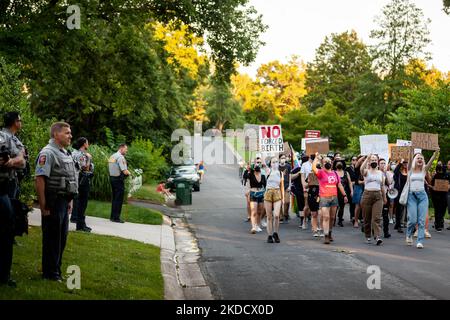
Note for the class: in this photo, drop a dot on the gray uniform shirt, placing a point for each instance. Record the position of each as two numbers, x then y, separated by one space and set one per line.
46 160
15 146
117 164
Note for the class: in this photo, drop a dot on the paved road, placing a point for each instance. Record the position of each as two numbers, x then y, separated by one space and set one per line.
239 265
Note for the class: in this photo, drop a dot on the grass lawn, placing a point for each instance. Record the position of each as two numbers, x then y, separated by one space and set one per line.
148 192
111 268
130 213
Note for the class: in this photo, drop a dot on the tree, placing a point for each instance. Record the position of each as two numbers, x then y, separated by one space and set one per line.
427 109
326 119
222 109
446 6
402 35
340 62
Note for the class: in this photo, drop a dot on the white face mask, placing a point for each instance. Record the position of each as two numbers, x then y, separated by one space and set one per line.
275 166
393 167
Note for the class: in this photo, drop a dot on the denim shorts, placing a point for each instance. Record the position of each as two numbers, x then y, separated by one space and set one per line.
328 202
257 196
357 194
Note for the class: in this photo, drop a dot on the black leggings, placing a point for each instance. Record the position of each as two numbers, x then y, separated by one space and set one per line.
342 206
398 214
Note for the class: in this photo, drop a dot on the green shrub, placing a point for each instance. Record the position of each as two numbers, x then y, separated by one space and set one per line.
143 155
35 132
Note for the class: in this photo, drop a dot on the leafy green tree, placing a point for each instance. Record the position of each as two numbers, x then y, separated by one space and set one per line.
326 119
222 108
402 35
427 109
446 6
340 62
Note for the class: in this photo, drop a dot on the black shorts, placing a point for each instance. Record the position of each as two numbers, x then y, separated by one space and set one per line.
300 197
313 194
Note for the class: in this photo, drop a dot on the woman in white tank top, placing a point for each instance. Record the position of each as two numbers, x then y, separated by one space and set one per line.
373 198
273 198
417 203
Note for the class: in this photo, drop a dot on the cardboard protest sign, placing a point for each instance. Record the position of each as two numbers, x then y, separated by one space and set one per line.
321 146
270 139
441 185
399 153
286 148
425 141
312 179
304 140
375 144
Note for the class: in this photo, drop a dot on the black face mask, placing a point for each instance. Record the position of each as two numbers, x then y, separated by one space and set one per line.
328 166
374 165
318 166
257 169
339 166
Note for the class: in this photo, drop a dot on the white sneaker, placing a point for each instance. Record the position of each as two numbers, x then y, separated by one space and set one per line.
391 221
409 241
321 234
427 234
263 224
416 233
304 226
258 229
419 246
316 234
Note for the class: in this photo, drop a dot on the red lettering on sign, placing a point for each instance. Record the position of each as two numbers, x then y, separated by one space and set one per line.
276 131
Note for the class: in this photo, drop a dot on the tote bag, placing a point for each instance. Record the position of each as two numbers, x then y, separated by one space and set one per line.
404 196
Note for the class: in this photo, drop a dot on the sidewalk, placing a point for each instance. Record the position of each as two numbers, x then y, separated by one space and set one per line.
160 236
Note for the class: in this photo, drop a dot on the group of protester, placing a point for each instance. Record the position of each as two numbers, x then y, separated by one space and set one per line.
379 193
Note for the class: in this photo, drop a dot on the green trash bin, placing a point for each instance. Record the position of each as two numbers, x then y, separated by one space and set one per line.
184 193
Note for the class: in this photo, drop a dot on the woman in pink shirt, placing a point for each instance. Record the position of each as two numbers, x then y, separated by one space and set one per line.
329 182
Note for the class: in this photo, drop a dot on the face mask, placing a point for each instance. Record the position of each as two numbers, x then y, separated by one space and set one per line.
339 166
328 166
318 166
393 167
275 166
313 157
257 169
373 165
282 161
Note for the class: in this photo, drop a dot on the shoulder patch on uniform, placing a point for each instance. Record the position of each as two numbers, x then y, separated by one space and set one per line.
42 160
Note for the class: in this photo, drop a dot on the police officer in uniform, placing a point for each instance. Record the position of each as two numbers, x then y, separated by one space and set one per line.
118 171
11 159
85 167
56 186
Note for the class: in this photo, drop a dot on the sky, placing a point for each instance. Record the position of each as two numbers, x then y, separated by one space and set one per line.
299 27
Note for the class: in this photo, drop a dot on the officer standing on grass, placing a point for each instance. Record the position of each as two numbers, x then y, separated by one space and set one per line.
11 159
118 171
56 186
85 167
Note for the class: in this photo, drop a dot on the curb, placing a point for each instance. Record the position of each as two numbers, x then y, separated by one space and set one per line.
183 279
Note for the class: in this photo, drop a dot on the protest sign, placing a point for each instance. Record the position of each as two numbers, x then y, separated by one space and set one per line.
304 140
399 153
403 143
441 185
375 144
321 146
270 139
312 134
286 148
425 141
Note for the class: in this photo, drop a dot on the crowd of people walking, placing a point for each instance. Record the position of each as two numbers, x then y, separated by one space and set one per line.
380 194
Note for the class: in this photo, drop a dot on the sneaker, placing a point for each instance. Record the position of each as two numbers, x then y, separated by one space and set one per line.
399 230
269 239
258 229
438 230
419 246
391 221
304 226
409 241
276 237
247 220
263 224
327 240
321 234
369 241
316 234
416 233
427 234
387 235
379 241
340 224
